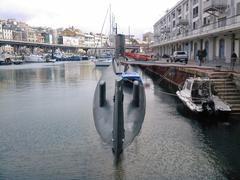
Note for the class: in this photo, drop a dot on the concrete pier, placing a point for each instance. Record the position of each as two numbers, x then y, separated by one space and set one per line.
226 83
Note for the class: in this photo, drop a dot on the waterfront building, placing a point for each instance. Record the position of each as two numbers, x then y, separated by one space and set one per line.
23 25
148 37
193 25
100 40
76 33
47 38
148 40
100 44
7 32
67 40
18 35
1 31
39 37
54 33
89 40
7 48
31 35
130 40
24 35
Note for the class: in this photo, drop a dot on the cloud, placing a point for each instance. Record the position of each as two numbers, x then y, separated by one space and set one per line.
88 15
16 14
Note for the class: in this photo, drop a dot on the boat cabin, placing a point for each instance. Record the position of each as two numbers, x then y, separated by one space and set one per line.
197 89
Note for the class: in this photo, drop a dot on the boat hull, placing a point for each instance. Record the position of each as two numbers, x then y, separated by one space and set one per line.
133 115
188 110
103 62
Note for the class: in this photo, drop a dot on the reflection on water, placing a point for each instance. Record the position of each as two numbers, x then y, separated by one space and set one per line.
47 132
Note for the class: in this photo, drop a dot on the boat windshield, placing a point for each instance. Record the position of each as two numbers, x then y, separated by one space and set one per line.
201 89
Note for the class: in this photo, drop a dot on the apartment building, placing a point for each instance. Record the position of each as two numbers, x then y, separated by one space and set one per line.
7 32
193 25
1 31
18 34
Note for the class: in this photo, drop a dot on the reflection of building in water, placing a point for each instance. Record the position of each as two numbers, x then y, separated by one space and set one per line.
41 76
85 71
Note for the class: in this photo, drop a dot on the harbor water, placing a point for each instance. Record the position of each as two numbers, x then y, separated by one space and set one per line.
47 131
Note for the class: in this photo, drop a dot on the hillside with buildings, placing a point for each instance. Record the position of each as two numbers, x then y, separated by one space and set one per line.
12 29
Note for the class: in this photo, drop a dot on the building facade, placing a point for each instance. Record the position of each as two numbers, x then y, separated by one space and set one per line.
18 35
193 25
48 38
1 31
7 33
68 40
31 35
89 40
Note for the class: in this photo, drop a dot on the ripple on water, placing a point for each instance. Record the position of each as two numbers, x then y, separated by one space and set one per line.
47 132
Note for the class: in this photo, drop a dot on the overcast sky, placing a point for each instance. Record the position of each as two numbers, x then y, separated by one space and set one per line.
88 15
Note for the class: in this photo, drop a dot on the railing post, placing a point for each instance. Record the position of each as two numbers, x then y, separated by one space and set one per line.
102 93
118 119
136 93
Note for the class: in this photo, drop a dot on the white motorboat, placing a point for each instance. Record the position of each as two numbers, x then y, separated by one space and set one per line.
34 59
104 60
5 59
17 61
1 59
197 95
50 60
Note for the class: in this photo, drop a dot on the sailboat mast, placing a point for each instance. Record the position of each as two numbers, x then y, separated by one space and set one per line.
110 16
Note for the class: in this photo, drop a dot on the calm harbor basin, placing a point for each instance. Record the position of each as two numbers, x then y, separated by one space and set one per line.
47 131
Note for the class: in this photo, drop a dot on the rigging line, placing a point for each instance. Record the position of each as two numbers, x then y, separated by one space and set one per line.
164 92
104 24
101 30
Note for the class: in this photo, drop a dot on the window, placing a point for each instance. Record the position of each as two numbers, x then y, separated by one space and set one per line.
181 53
189 85
187 6
204 21
238 9
222 22
194 25
195 12
207 48
221 48
179 11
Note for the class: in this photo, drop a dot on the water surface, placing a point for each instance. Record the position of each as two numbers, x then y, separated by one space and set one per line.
47 131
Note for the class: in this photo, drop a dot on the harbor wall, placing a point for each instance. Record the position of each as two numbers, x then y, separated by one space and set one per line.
171 77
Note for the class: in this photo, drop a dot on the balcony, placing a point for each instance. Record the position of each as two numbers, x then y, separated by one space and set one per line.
222 26
215 5
165 30
182 22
